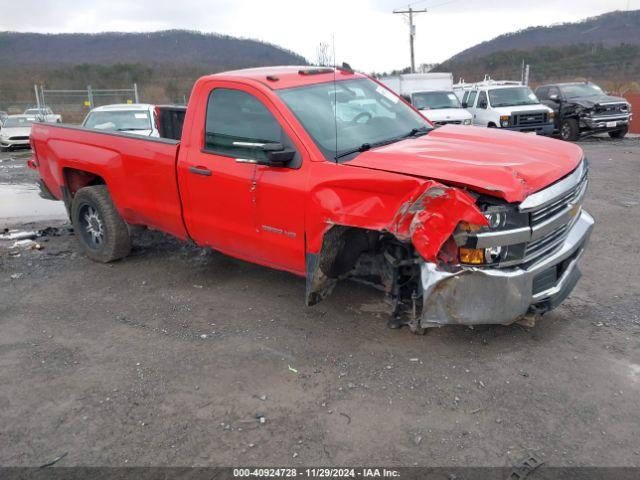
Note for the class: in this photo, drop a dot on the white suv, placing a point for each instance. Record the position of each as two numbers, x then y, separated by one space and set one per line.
507 105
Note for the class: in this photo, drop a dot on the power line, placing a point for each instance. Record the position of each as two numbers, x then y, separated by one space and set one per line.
412 31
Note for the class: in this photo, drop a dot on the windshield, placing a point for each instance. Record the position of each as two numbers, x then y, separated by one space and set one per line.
361 113
18 122
511 97
435 100
123 121
581 90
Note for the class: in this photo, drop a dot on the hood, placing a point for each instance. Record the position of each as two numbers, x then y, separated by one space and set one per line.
446 114
509 165
593 100
15 131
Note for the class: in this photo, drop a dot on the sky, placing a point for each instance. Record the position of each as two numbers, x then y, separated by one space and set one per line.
364 33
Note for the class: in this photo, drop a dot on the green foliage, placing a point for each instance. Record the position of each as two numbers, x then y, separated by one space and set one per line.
553 63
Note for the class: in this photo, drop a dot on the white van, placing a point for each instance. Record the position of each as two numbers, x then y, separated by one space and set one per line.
432 94
505 104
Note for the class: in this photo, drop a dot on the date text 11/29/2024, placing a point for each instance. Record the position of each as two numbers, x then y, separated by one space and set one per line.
315 473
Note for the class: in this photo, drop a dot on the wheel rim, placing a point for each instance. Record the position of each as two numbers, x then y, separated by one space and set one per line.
565 132
91 226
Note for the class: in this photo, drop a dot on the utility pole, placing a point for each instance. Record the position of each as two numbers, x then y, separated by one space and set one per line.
412 31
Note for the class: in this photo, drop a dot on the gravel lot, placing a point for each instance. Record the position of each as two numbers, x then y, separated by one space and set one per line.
169 356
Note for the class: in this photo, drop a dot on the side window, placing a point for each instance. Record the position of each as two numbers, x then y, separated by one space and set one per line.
471 98
543 93
482 100
235 117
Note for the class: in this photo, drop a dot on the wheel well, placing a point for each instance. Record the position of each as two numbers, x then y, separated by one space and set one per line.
77 179
492 125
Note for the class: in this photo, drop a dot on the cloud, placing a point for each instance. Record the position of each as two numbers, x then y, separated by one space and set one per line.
365 32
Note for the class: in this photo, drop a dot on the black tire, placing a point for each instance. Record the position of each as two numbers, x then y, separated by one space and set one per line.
619 133
101 232
569 130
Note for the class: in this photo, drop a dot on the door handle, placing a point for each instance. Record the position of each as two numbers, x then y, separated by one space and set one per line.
200 171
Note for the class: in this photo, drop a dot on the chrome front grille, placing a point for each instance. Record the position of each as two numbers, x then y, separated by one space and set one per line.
529 118
612 109
551 222
560 203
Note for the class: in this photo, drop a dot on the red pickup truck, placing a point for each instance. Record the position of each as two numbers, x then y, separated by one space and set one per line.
329 175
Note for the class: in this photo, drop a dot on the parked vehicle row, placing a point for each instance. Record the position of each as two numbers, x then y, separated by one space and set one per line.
570 110
329 175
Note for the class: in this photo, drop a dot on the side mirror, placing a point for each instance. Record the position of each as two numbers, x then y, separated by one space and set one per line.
276 154
482 104
464 105
279 158
554 97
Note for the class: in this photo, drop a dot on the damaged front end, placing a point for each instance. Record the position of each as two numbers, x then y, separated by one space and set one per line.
452 258
523 263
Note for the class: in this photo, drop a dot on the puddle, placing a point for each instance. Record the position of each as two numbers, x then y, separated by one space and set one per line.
20 203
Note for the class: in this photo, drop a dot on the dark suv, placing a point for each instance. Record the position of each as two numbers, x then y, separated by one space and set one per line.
583 109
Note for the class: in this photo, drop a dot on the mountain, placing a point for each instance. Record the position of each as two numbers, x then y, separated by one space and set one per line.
602 48
164 64
173 47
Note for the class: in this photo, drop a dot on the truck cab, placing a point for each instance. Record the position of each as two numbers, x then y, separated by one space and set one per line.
432 94
506 105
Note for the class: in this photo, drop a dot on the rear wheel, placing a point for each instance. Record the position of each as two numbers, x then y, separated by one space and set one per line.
619 133
569 130
102 233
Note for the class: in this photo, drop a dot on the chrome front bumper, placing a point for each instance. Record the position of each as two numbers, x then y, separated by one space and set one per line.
474 296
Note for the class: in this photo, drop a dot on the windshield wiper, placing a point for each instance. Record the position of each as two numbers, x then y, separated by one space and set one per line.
362 148
130 129
414 132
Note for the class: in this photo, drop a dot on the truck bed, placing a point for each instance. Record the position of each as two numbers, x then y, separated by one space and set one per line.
140 171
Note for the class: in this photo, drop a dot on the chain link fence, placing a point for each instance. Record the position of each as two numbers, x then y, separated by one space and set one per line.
73 105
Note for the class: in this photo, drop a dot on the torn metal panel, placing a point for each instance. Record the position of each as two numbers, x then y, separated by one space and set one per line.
432 219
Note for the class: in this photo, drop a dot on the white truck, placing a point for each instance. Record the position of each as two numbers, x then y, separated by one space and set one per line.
509 105
44 114
432 94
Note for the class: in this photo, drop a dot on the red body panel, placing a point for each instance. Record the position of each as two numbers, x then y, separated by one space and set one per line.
275 216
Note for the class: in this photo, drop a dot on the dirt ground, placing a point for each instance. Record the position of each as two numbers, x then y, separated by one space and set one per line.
170 356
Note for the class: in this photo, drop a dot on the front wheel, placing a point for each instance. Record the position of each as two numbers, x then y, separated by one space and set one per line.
619 133
569 130
101 231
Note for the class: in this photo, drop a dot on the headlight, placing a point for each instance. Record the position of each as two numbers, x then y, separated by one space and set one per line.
501 218
552 116
467 121
504 120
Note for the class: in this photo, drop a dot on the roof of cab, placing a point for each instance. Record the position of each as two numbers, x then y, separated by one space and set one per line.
278 78
123 106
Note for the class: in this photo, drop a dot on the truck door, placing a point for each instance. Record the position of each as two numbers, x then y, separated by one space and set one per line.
470 102
481 112
229 201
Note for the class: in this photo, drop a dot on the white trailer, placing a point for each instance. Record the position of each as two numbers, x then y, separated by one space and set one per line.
432 94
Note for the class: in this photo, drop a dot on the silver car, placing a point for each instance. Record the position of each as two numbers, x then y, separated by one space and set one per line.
15 131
